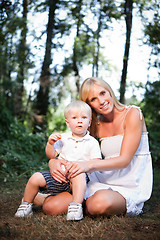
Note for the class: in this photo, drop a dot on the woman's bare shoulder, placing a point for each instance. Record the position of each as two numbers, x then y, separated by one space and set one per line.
134 118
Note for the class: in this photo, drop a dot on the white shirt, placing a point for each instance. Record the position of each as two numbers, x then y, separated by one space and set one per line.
81 149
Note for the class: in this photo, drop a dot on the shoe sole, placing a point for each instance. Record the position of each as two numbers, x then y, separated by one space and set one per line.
75 219
27 216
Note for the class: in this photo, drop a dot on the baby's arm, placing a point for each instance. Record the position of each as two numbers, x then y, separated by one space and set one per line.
50 151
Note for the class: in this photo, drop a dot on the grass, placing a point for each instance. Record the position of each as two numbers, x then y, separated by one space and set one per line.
41 226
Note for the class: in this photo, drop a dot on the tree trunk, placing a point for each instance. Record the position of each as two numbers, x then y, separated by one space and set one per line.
22 52
98 45
128 19
95 66
75 67
42 101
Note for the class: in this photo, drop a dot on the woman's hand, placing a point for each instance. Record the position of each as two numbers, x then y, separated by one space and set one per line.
75 168
56 170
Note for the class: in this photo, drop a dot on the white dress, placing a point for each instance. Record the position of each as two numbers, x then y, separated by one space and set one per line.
134 182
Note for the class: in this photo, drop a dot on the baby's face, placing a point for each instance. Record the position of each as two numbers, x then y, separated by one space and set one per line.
78 122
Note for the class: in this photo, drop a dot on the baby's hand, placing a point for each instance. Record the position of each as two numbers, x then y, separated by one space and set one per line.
54 137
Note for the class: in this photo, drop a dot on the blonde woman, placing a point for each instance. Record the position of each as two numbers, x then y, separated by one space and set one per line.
122 181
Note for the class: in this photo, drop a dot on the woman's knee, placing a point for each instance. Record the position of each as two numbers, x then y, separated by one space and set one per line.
106 202
51 207
58 204
97 205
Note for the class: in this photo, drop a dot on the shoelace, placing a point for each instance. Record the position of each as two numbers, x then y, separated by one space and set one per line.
24 205
74 208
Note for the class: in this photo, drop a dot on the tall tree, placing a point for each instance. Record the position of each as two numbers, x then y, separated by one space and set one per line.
10 25
79 17
42 100
81 44
6 11
128 7
21 60
152 33
95 67
104 11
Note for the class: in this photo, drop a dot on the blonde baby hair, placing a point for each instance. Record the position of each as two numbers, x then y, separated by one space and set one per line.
78 105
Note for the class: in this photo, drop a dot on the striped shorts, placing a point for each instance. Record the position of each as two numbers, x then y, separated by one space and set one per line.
54 187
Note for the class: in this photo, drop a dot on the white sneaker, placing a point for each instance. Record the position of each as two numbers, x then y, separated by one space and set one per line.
75 211
24 210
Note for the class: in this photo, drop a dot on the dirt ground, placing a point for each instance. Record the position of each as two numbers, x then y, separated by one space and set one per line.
41 226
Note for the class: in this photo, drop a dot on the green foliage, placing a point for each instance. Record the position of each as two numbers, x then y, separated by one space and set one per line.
5 121
151 110
152 32
59 124
154 140
56 121
21 152
151 105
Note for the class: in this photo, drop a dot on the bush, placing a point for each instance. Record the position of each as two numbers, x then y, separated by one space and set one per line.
21 152
151 110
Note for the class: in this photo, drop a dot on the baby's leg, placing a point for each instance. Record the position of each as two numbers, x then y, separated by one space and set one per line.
78 187
75 211
25 209
36 180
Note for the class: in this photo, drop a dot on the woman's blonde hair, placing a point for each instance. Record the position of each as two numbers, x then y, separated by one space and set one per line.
84 93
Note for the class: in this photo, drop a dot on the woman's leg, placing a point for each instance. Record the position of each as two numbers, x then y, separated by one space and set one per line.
39 198
106 202
58 204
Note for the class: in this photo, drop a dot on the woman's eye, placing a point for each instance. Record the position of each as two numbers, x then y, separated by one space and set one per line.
93 99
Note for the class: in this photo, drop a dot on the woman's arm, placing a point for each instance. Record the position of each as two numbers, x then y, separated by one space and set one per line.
56 170
132 135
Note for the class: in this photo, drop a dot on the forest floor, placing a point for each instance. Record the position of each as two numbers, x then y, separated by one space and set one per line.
41 226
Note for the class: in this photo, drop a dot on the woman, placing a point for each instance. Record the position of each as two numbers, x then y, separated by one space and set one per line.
122 181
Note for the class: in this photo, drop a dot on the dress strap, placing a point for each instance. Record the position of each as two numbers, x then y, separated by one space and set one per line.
129 108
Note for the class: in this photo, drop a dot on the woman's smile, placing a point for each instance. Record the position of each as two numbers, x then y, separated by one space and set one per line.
100 100
105 106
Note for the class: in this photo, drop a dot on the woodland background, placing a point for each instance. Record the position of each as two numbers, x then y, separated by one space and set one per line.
39 75
28 114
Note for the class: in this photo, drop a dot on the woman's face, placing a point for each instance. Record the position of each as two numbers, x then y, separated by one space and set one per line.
100 100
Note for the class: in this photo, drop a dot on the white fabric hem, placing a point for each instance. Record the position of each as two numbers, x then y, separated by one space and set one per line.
132 209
